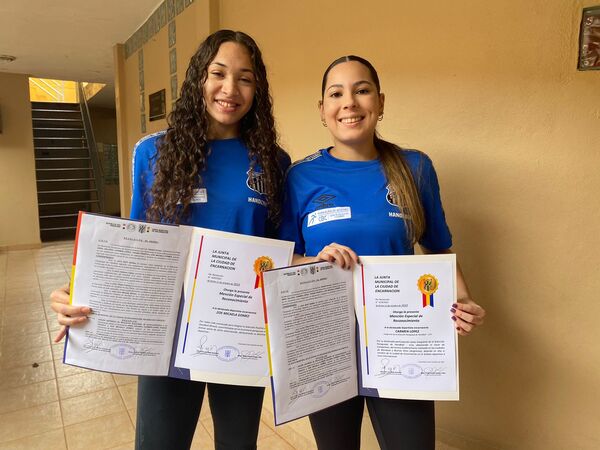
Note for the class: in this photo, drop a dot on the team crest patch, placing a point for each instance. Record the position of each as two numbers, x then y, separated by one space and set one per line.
391 197
255 181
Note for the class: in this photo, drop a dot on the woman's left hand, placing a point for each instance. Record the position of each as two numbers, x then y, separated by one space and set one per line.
467 315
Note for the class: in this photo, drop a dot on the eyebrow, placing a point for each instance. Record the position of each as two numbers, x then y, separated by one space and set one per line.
225 66
354 85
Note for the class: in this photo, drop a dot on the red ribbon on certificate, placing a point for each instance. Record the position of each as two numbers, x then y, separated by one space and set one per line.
261 264
428 285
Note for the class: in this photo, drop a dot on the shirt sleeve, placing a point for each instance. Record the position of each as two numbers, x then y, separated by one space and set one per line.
291 220
140 182
437 235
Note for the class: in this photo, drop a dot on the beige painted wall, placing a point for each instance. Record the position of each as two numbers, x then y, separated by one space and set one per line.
491 92
104 123
19 221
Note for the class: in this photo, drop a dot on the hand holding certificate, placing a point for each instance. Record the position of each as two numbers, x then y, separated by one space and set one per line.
406 341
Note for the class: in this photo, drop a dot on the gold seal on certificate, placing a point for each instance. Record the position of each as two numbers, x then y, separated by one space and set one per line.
427 284
261 264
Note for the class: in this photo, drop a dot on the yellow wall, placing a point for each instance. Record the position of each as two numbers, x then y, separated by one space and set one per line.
491 92
47 90
19 221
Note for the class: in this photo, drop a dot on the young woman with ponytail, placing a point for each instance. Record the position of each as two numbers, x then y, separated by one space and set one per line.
367 196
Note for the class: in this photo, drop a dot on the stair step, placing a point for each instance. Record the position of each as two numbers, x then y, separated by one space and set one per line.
54 105
64 168
65 179
72 202
70 158
58 216
58 128
55 110
67 191
55 119
60 148
58 228
57 137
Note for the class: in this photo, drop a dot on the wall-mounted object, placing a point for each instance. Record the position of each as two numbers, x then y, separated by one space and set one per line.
589 39
158 107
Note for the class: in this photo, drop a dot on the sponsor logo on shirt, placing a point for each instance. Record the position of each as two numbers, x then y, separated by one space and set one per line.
324 201
328 214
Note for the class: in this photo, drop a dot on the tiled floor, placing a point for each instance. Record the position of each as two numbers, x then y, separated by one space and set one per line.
47 405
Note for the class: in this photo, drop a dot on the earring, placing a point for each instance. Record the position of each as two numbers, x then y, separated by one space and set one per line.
324 123
380 118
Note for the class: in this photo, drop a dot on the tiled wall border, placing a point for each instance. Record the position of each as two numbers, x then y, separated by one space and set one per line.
141 84
164 14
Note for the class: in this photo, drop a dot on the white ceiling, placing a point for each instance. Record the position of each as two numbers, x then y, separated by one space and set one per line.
69 39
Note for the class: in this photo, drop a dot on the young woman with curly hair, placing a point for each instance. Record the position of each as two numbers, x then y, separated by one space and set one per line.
217 166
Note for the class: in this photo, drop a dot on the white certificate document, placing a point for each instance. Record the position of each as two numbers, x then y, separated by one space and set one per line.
406 346
408 343
310 322
171 300
222 335
130 273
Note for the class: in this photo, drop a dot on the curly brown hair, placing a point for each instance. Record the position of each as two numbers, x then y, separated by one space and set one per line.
183 150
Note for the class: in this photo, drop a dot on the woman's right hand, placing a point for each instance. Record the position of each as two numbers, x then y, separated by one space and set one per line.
341 255
67 315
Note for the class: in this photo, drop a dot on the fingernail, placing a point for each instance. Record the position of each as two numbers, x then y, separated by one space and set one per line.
457 328
452 310
454 305
453 317
86 310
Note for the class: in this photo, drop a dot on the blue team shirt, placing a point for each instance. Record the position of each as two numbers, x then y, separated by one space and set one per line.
229 197
348 202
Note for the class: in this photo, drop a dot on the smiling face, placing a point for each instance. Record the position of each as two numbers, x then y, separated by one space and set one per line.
351 106
228 90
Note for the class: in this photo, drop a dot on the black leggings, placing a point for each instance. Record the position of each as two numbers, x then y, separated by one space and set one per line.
398 424
168 411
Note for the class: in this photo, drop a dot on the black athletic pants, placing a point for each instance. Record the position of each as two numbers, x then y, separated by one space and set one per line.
398 424
168 411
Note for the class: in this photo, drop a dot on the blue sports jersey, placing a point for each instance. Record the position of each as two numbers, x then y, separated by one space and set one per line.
230 196
349 202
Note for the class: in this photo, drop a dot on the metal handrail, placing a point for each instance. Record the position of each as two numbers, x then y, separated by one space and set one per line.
89 133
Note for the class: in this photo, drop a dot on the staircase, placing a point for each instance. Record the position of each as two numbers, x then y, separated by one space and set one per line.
66 180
